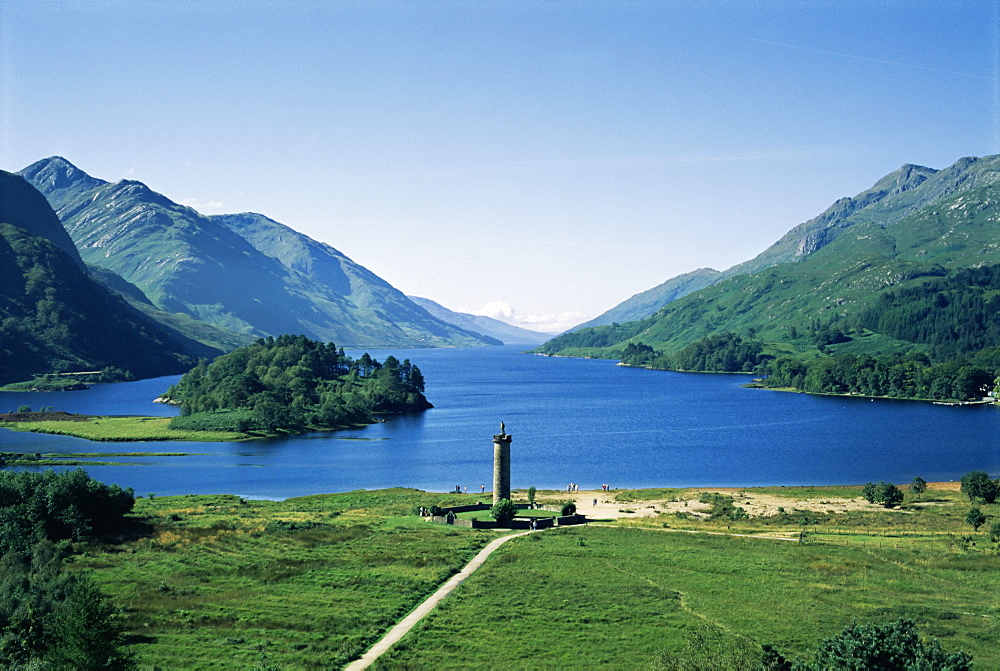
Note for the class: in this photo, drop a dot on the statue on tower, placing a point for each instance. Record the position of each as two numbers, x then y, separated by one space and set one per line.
501 464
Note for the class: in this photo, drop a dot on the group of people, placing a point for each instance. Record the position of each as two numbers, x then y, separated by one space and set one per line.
573 487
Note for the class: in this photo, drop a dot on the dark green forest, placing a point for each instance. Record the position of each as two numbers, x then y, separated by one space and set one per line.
956 315
897 376
952 321
50 618
54 318
291 383
721 353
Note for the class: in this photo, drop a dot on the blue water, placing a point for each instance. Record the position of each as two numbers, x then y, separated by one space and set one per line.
573 420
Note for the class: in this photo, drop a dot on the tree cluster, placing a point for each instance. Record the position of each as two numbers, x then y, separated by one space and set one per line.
54 318
893 646
957 315
598 336
58 506
898 376
885 494
978 487
49 618
291 383
723 353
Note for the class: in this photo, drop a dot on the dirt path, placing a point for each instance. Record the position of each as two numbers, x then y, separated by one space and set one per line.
418 613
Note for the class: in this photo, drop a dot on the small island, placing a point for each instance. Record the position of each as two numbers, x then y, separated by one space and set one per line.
289 384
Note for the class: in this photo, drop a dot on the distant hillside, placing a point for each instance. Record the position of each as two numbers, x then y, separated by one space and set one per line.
646 303
180 325
915 224
54 317
210 268
373 308
893 197
503 332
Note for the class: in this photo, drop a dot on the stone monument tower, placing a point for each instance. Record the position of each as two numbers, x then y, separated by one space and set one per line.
501 465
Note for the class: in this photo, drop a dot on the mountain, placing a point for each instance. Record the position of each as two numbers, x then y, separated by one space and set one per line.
506 334
913 225
54 317
647 302
373 304
893 197
181 325
210 268
23 206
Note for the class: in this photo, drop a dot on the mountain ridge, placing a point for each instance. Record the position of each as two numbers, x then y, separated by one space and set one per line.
198 265
55 318
508 334
927 224
883 201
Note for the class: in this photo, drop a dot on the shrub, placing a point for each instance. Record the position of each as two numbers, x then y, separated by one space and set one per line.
975 518
895 645
568 509
995 532
239 421
885 494
723 507
978 487
503 511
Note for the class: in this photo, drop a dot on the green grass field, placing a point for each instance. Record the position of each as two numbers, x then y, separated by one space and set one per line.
310 583
617 597
122 429
216 582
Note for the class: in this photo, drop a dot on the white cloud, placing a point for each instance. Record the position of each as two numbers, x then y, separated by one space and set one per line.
501 310
208 207
549 323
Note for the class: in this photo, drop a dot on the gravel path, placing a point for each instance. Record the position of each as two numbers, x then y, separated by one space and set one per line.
418 613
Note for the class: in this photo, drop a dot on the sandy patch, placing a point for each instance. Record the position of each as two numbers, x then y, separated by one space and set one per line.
598 504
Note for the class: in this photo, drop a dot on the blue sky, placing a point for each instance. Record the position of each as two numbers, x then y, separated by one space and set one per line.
543 160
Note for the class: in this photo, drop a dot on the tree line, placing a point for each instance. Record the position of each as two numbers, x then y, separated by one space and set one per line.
909 375
721 353
50 618
291 383
956 315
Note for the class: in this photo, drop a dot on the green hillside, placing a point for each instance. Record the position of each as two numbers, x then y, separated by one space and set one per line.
647 302
188 263
895 196
786 305
348 293
54 318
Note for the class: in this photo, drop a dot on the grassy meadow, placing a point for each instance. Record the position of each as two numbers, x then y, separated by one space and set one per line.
122 428
217 582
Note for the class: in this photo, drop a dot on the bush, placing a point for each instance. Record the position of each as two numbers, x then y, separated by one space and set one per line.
568 509
975 518
723 507
503 511
57 506
887 647
978 487
885 494
239 421
995 532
